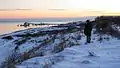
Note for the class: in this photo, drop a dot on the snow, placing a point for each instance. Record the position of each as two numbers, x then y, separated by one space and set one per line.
106 55
75 53
7 46
116 27
31 43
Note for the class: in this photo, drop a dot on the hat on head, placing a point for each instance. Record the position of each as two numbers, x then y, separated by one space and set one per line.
87 21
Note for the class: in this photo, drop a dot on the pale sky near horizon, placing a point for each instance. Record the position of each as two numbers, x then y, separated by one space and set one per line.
57 8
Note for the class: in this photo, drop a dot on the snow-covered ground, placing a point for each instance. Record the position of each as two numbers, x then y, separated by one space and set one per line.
45 48
106 55
7 46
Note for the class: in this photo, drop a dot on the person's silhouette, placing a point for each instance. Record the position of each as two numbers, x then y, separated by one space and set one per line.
87 31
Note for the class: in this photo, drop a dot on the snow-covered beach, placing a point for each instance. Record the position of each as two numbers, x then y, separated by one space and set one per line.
59 47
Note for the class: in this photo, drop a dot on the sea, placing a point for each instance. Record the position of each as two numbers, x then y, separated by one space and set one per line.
9 27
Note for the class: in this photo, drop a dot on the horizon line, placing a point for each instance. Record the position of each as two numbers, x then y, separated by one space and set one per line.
48 17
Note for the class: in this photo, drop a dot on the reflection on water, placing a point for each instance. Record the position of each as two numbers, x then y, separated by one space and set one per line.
11 27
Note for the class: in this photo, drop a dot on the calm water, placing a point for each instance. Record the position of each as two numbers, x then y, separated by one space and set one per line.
8 27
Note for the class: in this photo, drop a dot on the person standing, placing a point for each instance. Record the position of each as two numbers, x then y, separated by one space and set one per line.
87 31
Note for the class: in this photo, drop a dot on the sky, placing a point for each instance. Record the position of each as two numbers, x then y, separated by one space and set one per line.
57 8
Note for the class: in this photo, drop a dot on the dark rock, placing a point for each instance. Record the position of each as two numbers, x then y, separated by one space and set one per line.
85 62
7 37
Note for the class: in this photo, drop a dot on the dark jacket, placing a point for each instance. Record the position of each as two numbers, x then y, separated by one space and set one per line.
88 29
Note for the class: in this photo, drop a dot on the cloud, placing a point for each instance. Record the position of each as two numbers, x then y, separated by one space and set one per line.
57 9
94 10
97 11
15 9
24 9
